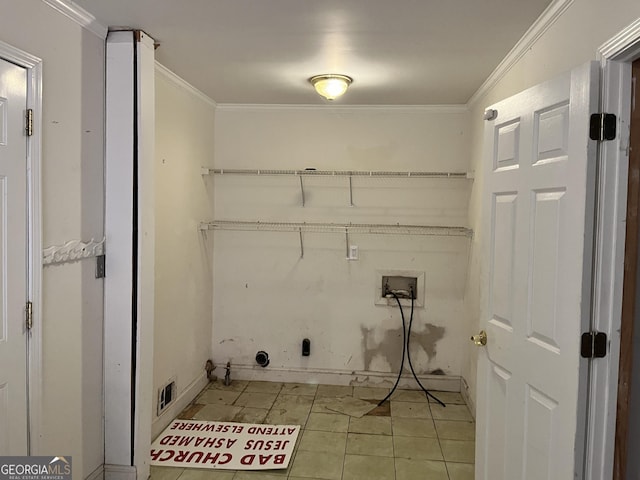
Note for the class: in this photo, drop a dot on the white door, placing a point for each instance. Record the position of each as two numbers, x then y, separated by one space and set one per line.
539 184
13 260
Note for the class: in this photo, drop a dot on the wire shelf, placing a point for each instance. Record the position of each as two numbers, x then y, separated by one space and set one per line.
333 173
361 228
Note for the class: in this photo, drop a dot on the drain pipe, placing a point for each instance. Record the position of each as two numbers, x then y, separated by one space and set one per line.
262 358
227 375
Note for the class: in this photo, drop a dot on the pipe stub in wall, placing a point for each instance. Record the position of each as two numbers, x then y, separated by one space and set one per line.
262 358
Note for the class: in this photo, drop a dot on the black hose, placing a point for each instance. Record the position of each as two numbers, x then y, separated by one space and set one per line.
427 393
406 339
404 346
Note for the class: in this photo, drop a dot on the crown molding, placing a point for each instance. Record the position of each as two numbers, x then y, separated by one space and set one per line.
344 108
618 47
79 15
531 36
182 83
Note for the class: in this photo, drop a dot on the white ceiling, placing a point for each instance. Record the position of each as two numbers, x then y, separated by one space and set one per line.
399 52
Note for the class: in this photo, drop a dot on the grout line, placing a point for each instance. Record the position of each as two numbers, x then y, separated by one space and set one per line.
439 443
393 445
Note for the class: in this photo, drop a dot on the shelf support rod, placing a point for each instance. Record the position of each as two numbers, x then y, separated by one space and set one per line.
346 237
302 190
301 243
351 191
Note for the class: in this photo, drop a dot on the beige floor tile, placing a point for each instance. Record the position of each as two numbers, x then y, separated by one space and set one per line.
448 397
460 451
420 470
417 448
361 467
190 411
293 401
291 416
410 409
373 425
317 465
334 391
256 400
260 475
417 396
370 393
299 389
218 413
460 471
303 478
366 444
290 410
263 387
236 385
320 404
328 442
451 412
206 474
328 422
251 415
219 397
353 407
455 430
165 473
413 427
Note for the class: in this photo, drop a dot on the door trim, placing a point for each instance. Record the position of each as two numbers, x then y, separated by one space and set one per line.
616 56
33 65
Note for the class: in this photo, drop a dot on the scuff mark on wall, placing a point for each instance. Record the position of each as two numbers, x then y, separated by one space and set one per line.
387 346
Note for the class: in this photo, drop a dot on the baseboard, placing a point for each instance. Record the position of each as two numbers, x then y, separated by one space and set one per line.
184 399
464 391
446 383
97 474
119 472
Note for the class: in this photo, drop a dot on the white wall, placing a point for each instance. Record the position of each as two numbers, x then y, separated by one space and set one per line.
72 208
572 40
183 256
267 298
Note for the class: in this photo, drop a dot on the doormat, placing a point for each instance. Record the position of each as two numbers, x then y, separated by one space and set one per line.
224 445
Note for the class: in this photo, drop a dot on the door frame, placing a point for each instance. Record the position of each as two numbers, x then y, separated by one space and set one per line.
33 65
616 57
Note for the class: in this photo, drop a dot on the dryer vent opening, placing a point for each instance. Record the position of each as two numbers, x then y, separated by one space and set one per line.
262 358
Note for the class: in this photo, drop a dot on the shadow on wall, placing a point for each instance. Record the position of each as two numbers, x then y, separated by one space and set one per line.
389 348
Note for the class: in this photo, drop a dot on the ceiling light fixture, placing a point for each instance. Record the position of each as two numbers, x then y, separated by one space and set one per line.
330 86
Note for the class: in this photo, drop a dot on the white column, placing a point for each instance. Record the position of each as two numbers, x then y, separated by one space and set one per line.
129 281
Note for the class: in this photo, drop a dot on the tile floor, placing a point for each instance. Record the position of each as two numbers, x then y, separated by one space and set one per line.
407 438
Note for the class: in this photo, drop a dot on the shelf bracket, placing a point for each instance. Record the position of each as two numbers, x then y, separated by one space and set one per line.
302 190
351 191
346 238
301 243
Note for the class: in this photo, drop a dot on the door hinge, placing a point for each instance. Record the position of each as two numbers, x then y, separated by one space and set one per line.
593 345
602 126
100 266
28 129
28 311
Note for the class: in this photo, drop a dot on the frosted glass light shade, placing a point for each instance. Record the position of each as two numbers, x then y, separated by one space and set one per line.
331 86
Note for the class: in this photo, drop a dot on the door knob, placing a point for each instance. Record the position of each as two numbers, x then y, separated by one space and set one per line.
480 339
